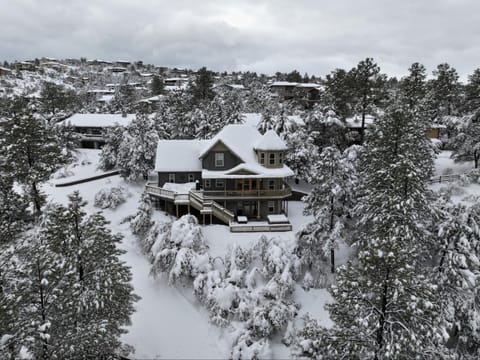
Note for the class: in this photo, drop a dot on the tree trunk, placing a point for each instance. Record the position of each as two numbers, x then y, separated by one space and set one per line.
36 199
381 320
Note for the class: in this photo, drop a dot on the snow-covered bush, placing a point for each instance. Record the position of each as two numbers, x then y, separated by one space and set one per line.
308 341
247 347
275 256
111 198
181 251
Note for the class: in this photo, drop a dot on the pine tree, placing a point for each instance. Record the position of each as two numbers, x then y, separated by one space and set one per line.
444 90
32 151
466 144
385 304
109 153
142 220
458 246
472 92
368 89
157 86
136 152
99 289
202 88
414 87
332 194
39 325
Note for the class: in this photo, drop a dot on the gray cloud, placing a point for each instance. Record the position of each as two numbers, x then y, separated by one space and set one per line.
266 36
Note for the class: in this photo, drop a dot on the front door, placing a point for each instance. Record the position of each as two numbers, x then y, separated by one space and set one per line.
250 209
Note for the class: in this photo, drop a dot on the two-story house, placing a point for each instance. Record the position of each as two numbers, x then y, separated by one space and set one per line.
238 176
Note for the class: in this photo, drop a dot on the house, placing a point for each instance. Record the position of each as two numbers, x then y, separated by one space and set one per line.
25 65
309 93
238 176
435 131
91 127
230 87
5 71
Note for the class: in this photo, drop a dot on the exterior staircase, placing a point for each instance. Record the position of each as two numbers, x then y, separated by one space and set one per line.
195 199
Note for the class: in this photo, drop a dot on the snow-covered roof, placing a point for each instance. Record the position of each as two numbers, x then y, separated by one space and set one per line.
309 85
98 120
239 138
270 141
284 83
179 155
186 155
356 121
106 98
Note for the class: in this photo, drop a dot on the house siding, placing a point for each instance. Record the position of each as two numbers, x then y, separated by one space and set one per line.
230 161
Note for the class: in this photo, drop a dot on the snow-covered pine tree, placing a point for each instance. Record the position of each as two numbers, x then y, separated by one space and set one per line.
109 153
142 220
331 197
385 304
302 153
458 246
136 152
466 144
13 215
99 290
32 152
39 327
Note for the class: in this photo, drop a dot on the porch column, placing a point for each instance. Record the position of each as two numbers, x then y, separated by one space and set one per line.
258 209
176 206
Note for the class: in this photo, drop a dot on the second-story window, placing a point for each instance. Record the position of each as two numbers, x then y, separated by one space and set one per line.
171 178
191 177
262 158
219 159
280 158
271 158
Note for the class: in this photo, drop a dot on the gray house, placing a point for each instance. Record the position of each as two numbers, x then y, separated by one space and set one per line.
237 177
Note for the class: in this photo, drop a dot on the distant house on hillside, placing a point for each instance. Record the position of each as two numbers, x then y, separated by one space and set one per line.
25 65
4 71
92 127
237 177
309 93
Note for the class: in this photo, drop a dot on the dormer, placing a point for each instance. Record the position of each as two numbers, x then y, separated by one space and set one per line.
270 150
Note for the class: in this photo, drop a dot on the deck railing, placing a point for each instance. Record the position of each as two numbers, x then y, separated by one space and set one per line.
246 193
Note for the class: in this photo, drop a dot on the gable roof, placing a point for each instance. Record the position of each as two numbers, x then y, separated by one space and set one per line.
179 155
239 139
270 141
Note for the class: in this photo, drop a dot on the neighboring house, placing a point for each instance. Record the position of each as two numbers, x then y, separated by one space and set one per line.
25 65
4 71
92 127
435 131
306 92
237 177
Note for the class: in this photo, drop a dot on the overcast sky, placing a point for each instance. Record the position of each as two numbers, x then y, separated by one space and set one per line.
313 36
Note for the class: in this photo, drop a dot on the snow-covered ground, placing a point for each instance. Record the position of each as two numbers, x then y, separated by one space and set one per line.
169 322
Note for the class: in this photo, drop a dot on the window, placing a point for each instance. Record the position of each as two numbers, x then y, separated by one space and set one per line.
171 178
272 159
262 158
219 183
207 183
271 207
271 184
280 158
219 159
191 177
